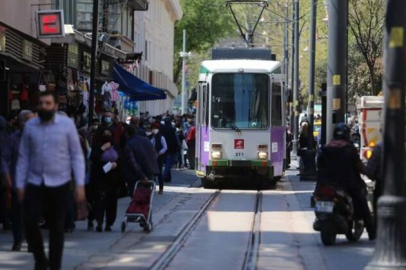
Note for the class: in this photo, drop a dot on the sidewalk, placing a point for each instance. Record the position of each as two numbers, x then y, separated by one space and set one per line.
81 245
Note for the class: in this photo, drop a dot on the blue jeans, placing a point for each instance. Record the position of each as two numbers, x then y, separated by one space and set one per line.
169 161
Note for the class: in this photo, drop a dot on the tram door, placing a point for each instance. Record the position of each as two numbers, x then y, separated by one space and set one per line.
202 121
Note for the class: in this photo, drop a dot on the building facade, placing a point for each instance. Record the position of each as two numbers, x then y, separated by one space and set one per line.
154 33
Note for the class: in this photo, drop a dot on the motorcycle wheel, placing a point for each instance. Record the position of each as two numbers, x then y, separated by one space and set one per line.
355 231
328 236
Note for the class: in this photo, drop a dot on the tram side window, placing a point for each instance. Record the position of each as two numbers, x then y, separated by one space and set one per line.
206 104
276 105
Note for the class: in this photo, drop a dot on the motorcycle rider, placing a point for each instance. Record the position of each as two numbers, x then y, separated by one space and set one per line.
339 163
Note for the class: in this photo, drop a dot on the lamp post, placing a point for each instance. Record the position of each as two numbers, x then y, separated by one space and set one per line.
183 54
93 59
312 62
296 79
390 251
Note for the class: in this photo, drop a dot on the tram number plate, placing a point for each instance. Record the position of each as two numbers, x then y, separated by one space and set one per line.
239 154
324 207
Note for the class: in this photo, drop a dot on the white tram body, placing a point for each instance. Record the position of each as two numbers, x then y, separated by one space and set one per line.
240 123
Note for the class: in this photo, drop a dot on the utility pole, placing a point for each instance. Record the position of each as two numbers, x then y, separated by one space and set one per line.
94 58
390 250
183 55
313 16
336 71
292 108
286 52
296 79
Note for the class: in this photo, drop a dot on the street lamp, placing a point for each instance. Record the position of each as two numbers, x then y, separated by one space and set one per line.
184 55
390 251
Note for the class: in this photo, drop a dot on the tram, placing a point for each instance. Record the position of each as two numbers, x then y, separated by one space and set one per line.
240 123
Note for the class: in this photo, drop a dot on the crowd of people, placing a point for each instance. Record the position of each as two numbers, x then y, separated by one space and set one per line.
49 159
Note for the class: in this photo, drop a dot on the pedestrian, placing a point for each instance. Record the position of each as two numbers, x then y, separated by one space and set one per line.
135 122
105 162
141 156
48 155
160 145
110 122
9 165
92 130
303 144
11 123
288 146
191 144
173 144
183 146
5 184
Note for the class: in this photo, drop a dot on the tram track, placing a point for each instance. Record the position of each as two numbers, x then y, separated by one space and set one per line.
251 252
165 259
251 256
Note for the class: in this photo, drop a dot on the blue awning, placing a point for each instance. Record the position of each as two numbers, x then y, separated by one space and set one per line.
136 88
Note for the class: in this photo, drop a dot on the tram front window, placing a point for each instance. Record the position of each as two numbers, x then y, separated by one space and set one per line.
240 100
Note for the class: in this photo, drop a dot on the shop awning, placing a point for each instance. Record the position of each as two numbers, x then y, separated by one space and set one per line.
136 88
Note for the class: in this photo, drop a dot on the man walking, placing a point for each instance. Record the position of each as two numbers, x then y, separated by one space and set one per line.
49 153
9 164
141 156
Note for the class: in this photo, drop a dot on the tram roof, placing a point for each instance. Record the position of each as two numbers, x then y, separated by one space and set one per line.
256 66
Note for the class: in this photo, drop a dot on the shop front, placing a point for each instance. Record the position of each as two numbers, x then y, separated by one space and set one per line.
21 58
70 61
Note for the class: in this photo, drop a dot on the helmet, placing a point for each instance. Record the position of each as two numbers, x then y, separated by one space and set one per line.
342 132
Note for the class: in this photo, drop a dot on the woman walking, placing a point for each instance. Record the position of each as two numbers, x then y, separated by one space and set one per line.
159 143
105 160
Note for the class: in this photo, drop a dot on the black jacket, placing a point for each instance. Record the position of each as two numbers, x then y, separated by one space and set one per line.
171 139
110 180
141 157
337 163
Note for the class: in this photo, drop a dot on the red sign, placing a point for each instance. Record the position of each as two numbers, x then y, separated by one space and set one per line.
50 23
238 144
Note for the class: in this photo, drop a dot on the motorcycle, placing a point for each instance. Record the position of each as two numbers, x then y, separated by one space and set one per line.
335 215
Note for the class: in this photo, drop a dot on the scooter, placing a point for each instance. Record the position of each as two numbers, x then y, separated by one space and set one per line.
335 215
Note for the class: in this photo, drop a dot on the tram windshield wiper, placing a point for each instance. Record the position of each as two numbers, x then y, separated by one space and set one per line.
233 126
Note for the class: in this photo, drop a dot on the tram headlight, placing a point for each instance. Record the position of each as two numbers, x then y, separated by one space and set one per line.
262 155
216 154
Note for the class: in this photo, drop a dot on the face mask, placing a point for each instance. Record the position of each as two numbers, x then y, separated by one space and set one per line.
155 131
46 115
148 133
107 119
94 128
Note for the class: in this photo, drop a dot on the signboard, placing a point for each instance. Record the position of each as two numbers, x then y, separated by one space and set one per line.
2 39
105 67
73 55
50 23
27 50
239 144
86 61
